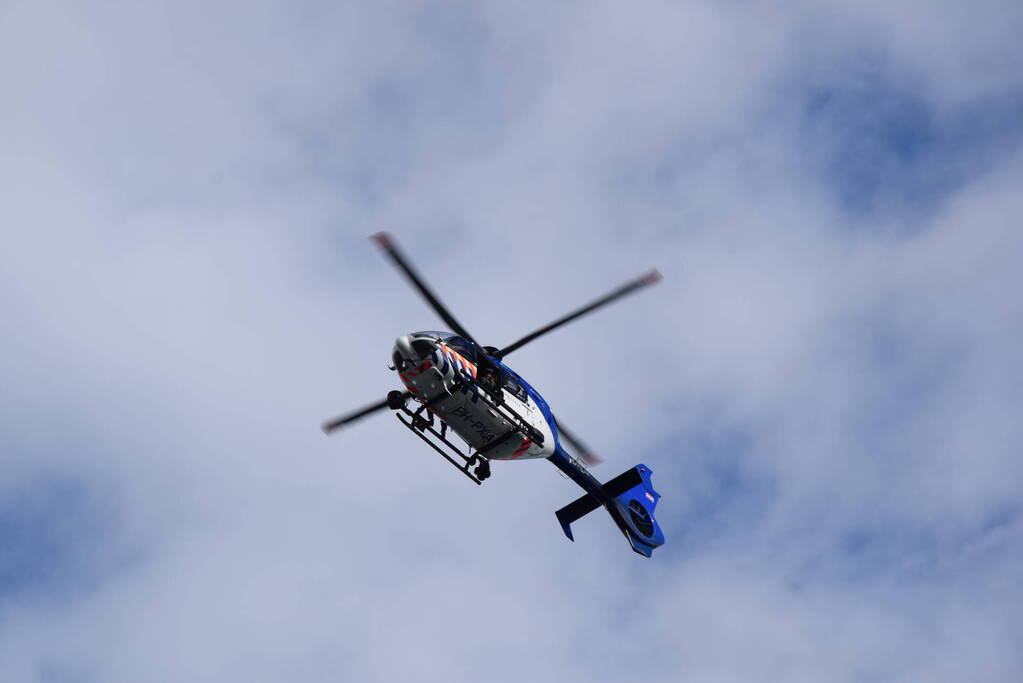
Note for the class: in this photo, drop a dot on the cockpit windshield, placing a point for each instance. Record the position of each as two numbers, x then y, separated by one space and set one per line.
422 347
462 346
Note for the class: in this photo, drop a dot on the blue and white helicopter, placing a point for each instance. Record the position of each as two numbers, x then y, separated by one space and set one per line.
471 392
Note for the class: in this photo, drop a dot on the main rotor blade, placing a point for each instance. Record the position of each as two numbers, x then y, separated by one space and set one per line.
339 422
387 244
584 453
629 287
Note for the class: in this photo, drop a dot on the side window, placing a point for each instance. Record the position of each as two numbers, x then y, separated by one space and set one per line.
514 388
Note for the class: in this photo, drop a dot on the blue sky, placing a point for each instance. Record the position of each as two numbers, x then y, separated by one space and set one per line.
825 383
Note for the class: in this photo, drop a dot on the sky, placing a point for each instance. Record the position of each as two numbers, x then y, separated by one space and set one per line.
826 384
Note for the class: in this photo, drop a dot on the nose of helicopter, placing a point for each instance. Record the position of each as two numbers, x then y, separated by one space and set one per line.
402 354
403 345
412 349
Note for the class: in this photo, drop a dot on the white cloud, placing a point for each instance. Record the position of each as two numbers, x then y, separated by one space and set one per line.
826 398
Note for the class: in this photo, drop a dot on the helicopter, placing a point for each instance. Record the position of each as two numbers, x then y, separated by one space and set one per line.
452 384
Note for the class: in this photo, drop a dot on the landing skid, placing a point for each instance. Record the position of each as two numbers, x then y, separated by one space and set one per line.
419 426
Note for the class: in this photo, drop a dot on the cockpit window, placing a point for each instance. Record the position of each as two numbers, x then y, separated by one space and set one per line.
422 348
513 387
462 346
399 362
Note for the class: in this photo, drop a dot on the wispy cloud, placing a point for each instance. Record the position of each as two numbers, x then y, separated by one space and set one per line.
824 383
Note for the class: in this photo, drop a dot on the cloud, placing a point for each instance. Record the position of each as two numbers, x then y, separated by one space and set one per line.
823 383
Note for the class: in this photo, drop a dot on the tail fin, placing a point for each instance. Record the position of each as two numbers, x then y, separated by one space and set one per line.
630 499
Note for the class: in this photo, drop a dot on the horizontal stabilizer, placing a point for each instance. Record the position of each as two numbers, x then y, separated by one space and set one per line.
587 503
579 507
623 482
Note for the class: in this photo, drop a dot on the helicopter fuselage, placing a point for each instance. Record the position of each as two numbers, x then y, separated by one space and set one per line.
474 395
